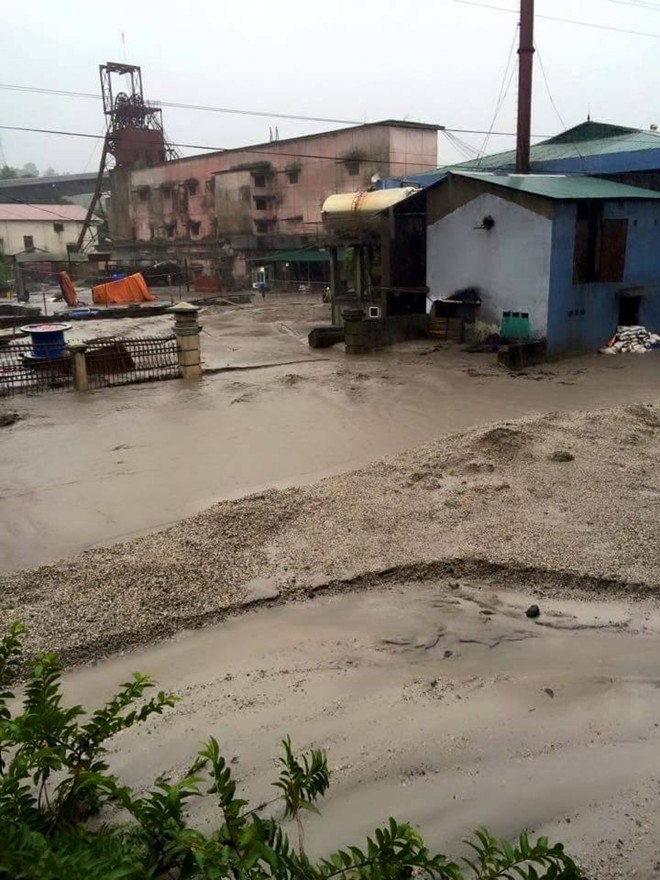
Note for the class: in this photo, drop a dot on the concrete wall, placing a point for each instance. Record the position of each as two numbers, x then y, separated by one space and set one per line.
43 233
510 263
568 329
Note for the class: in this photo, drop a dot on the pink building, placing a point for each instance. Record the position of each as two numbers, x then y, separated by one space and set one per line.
220 209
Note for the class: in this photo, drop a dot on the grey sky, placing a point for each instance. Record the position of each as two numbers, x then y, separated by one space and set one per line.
428 60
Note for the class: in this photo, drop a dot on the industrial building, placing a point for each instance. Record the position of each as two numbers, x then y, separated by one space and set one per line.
223 210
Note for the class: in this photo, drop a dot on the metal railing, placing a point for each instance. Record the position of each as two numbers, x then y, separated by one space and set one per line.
21 372
109 361
118 361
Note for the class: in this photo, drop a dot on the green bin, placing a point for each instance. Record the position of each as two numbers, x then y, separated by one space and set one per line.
515 325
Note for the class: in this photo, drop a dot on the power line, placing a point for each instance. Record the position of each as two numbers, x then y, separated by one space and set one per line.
250 149
552 100
44 91
638 4
247 149
181 106
590 24
501 96
40 207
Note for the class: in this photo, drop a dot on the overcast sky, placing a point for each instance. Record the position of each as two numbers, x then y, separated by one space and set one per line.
437 61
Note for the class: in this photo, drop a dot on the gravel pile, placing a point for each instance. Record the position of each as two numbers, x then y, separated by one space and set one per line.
574 495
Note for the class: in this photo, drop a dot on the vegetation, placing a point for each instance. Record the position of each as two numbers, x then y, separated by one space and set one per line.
7 172
57 794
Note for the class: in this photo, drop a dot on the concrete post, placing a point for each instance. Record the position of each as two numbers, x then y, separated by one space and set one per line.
355 331
78 365
187 330
334 285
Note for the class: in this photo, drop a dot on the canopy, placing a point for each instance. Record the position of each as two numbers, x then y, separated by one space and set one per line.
127 290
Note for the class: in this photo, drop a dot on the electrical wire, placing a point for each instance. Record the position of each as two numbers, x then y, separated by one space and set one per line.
590 24
638 4
253 150
504 88
44 91
175 105
552 101
40 207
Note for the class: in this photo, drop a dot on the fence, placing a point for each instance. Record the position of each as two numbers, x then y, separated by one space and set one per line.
110 361
125 361
21 372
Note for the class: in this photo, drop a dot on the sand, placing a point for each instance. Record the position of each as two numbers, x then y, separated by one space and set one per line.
438 702
492 502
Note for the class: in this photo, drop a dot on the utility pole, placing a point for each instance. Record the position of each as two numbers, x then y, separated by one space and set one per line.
525 65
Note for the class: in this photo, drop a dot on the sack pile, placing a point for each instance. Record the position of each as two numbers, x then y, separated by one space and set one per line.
636 339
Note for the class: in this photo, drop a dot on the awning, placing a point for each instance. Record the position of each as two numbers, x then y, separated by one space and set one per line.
299 256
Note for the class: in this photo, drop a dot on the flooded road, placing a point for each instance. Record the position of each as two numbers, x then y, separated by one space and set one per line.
83 470
439 703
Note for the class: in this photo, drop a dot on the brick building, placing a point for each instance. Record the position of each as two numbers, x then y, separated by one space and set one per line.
220 209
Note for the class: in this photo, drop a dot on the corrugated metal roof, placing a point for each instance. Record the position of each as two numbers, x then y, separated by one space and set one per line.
51 213
581 143
560 186
588 148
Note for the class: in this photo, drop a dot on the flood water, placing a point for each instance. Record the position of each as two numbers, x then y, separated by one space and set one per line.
81 470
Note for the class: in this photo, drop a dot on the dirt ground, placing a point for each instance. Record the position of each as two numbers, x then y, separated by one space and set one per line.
81 471
440 703
382 609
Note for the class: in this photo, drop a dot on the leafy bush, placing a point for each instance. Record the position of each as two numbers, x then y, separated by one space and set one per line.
54 780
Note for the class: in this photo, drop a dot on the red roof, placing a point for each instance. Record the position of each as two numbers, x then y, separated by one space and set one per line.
50 213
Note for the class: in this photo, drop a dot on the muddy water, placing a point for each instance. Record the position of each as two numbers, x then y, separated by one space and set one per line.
82 470
447 707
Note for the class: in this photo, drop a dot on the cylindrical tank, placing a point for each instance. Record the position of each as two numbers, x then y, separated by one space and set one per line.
360 211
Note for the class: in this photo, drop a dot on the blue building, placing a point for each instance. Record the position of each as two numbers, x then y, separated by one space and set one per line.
578 255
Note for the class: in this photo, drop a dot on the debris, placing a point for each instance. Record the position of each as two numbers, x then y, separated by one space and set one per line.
8 419
533 611
561 455
636 339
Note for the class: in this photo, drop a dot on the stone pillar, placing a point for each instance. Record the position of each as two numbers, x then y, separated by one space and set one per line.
78 365
187 330
355 331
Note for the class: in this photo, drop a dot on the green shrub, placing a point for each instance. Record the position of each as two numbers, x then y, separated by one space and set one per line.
54 778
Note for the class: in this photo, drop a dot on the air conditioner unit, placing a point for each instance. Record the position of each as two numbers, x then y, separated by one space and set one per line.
374 311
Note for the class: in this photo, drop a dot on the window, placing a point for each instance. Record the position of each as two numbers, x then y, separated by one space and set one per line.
195 226
143 193
293 176
600 246
210 185
259 180
170 229
353 167
191 186
261 203
28 243
58 227
262 226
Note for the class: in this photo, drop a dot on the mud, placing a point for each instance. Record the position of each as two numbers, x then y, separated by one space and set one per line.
440 703
184 447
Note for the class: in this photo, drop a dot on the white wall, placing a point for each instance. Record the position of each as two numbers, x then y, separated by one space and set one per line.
43 233
511 263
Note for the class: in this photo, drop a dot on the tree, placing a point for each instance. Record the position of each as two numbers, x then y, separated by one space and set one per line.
7 172
54 777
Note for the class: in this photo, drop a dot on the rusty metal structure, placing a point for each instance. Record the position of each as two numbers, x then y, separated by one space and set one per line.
134 135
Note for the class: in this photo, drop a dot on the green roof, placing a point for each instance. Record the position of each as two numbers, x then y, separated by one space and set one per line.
560 186
587 139
299 256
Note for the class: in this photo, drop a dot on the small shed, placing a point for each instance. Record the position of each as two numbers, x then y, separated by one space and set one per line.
579 255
